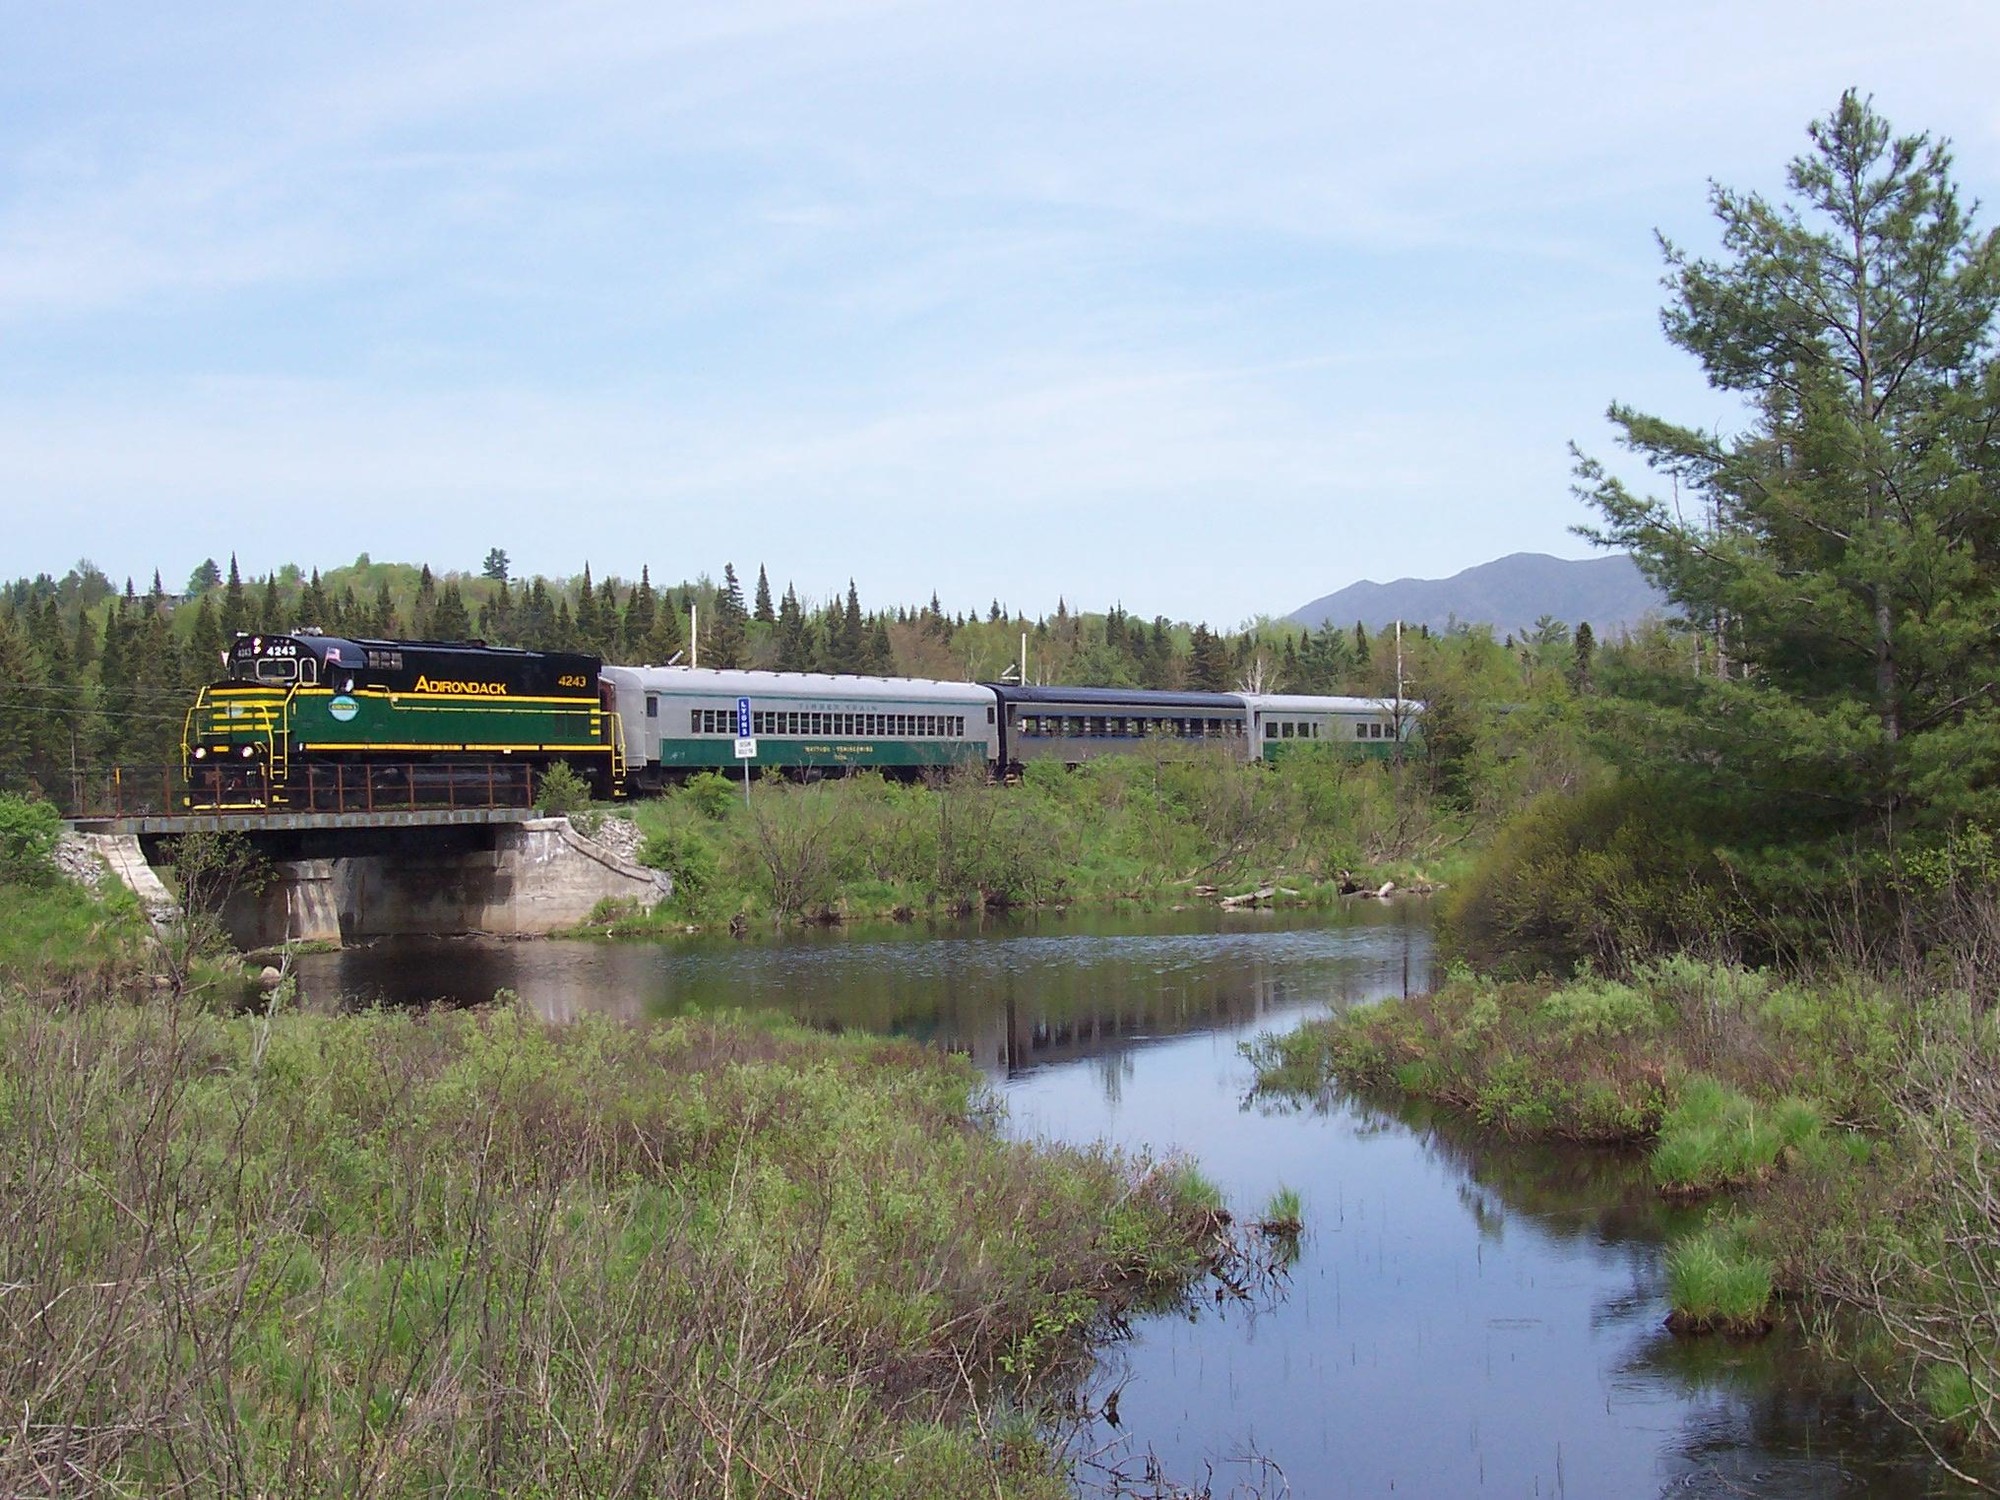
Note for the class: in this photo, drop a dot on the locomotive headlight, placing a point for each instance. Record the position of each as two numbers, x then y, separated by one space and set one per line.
248 751
201 752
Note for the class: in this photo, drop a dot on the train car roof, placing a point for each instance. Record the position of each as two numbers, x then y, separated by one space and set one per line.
321 643
1129 698
1316 703
734 683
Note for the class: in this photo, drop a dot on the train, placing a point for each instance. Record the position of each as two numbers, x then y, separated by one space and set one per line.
309 721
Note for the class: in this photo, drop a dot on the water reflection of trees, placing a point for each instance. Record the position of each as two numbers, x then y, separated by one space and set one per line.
1780 1418
1013 1008
1568 1191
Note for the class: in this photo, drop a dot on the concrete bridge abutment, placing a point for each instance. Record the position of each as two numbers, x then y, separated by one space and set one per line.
329 883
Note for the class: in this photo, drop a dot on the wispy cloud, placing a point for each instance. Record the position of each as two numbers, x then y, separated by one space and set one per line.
1040 298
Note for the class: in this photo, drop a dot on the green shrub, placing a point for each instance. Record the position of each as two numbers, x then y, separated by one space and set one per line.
29 833
686 854
1612 875
711 794
1592 1008
560 792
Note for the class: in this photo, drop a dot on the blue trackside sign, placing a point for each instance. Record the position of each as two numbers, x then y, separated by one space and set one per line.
743 718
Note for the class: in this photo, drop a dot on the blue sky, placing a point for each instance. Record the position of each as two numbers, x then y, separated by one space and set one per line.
1206 309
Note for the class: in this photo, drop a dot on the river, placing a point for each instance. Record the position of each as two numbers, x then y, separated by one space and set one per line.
1465 1316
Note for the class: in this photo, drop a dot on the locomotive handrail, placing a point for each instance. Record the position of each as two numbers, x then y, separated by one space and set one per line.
122 791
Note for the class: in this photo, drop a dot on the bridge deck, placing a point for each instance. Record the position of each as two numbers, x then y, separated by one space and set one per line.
291 822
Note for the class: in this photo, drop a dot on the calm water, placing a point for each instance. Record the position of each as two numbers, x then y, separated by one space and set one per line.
1465 1317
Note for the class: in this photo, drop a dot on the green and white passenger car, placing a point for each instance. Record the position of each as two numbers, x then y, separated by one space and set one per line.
679 720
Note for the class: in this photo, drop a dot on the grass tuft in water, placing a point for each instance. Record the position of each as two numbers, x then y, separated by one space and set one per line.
1284 1214
1716 1284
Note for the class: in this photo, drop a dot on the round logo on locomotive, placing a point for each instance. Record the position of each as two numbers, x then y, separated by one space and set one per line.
343 708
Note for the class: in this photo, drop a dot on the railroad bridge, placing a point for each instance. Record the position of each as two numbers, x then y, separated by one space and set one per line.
345 876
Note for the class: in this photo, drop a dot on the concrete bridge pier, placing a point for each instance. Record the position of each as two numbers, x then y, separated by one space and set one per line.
297 905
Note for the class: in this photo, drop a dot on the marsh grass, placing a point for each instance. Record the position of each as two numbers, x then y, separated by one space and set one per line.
1726 1069
1284 1214
1717 1283
1141 830
394 1254
1715 1137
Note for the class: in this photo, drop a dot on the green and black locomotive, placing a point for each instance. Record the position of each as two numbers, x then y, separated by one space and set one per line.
309 721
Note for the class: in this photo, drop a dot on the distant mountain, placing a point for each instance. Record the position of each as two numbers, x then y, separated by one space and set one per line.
1509 594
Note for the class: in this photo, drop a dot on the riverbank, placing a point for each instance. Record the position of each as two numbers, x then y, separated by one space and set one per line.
1179 828
1837 1131
465 1249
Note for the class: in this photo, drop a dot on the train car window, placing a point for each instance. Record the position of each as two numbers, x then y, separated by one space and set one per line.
274 670
931 725
1361 731
989 716
1270 729
652 705
308 670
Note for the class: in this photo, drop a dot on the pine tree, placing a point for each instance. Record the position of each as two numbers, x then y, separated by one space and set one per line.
850 650
383 619
451 621
314 610
1209 663
421 624
1843 564
271 612
764 613
795 651
114 683
23 750
609 613
586 612
665 639
1584 650
204 646
496 615
641 605
724 643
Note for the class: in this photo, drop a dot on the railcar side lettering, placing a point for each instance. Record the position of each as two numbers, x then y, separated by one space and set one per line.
465 689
